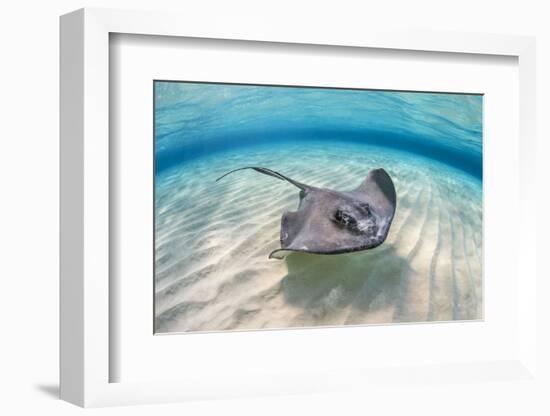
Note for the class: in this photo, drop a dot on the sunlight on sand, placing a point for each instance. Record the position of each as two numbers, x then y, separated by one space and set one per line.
213 240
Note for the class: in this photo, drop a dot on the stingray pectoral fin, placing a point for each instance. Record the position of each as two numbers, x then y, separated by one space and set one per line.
291 222
380 188
279 254
282 253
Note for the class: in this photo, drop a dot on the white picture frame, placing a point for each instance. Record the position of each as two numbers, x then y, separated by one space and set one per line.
85 164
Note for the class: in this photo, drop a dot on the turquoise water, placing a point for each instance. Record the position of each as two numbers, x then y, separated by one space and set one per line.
193 120
213 238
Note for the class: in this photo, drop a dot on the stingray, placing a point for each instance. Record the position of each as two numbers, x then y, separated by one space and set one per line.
335 222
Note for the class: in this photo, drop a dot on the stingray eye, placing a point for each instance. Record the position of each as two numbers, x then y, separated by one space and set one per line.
366 209
345 219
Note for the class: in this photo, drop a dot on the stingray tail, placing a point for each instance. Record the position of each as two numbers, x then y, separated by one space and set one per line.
269 172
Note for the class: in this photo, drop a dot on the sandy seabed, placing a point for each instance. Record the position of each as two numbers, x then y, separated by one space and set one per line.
213 239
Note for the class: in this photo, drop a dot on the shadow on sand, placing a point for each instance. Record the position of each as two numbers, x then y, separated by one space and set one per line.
345 288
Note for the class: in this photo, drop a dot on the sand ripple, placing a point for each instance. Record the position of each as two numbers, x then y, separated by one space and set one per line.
213 239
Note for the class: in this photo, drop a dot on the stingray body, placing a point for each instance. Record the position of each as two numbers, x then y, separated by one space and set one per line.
334 222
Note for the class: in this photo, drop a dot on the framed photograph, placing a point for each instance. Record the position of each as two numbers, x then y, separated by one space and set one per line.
243 214
384 225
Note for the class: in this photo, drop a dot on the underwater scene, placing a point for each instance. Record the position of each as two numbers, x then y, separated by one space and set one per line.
284 207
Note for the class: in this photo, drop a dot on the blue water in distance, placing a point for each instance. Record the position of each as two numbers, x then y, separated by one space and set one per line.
193 120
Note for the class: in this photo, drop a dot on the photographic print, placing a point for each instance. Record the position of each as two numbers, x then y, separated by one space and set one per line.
292 207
